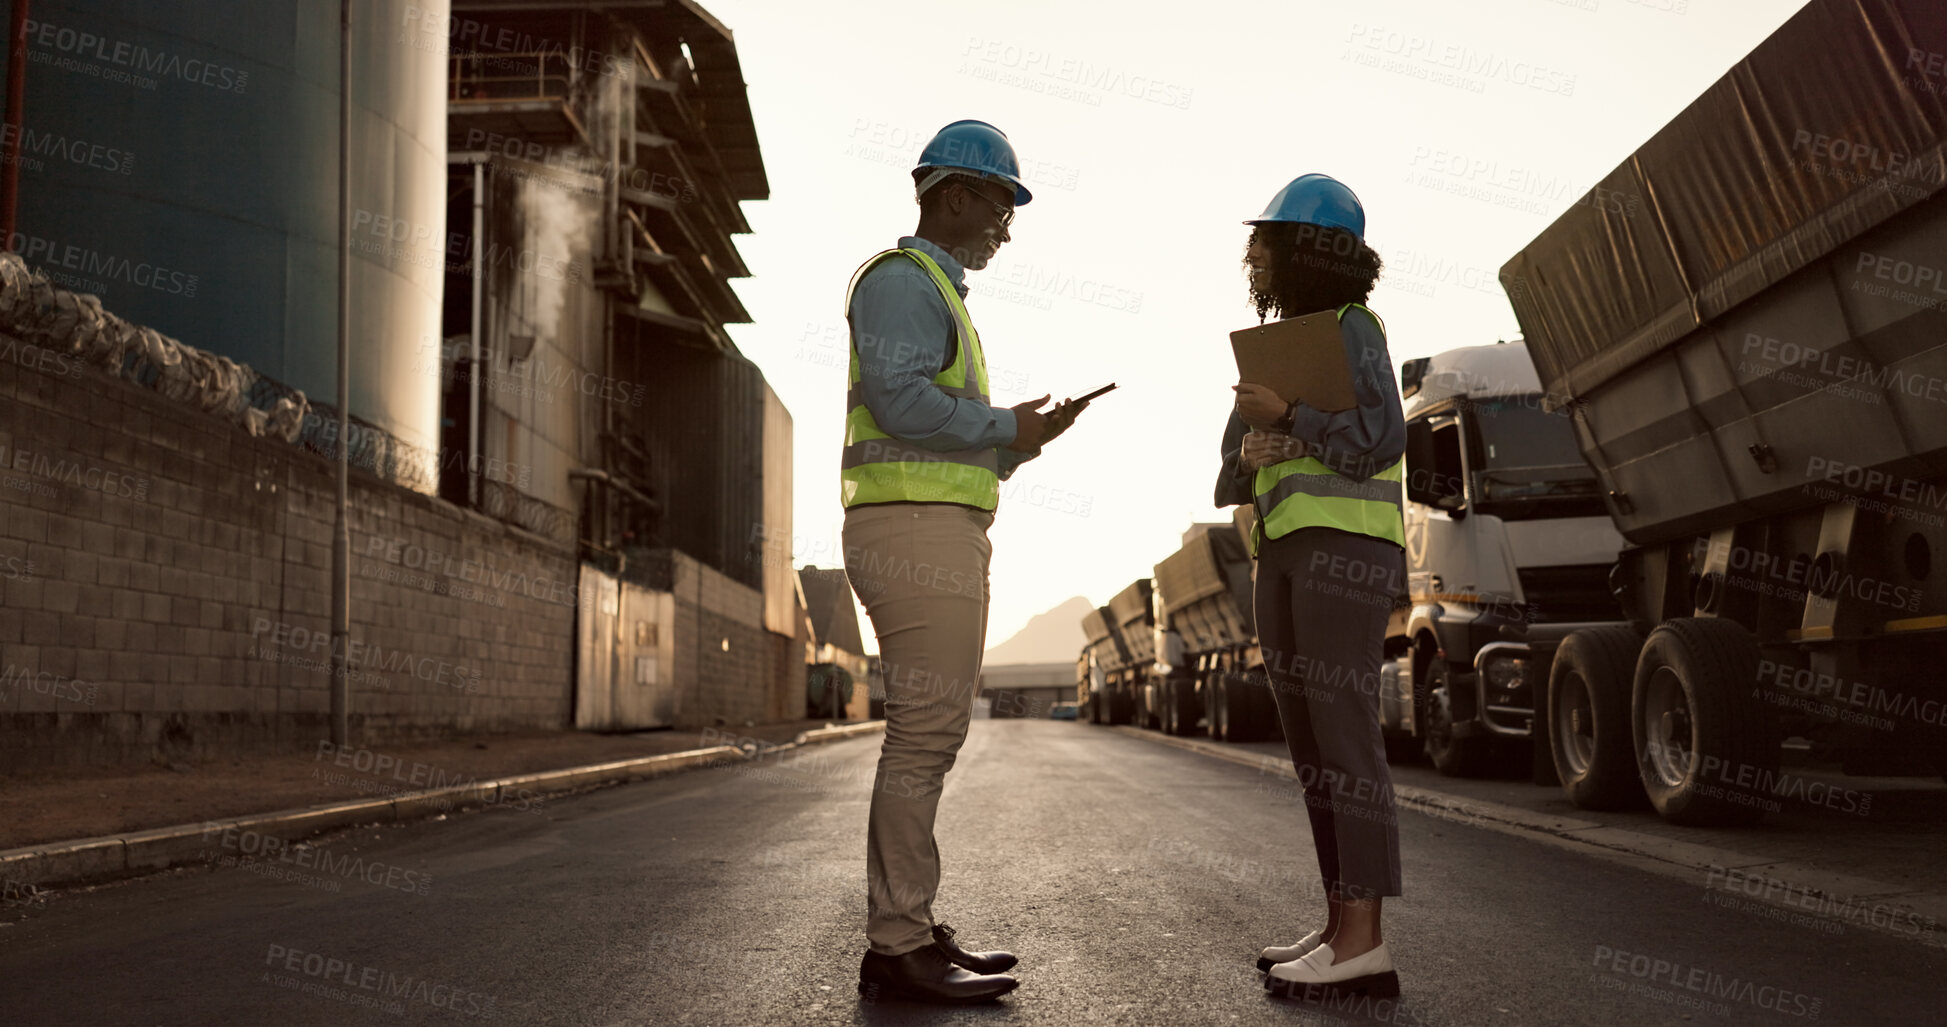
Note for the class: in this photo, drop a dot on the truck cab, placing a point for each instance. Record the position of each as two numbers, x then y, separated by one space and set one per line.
1507 541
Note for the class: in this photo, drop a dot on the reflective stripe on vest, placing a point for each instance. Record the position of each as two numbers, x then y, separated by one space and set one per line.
1306 493
877 468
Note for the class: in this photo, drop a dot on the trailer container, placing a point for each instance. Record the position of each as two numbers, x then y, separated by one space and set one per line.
1745 322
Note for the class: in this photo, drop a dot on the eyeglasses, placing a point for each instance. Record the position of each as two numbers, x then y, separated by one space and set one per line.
1005 214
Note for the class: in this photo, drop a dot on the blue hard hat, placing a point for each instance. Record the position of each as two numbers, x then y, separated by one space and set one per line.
1316 200
979 147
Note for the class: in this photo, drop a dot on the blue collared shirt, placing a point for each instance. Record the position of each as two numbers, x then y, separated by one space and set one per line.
904 335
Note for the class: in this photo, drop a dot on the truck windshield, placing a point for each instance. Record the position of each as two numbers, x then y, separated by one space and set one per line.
1528 452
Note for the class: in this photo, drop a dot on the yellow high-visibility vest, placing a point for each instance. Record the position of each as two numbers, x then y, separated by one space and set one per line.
1305 493
877 468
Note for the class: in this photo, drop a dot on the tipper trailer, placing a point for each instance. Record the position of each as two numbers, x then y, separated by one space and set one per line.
1101 671
1177 652
1119 655
1208 662
1747 322
1132 611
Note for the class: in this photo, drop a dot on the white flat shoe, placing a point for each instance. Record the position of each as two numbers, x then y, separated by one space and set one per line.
1313 975
1276 954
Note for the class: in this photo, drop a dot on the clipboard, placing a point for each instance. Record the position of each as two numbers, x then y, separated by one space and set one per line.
1299 358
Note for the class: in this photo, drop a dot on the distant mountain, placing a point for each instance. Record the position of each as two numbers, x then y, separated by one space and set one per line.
1051 637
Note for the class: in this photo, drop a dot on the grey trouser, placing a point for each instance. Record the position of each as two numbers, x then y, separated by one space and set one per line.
1322 598
920 570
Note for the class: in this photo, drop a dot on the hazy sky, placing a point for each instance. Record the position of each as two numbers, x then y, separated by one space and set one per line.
1147 135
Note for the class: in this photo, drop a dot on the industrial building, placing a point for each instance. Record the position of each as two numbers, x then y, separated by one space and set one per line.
1025 689
544 197
836 641
597 157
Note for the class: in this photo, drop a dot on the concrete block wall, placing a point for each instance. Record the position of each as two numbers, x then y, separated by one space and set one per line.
733 670
165 592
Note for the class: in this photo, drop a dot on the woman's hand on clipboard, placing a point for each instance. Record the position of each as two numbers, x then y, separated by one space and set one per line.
1258 406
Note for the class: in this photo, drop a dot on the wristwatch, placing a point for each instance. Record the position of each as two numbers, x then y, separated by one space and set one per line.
1285 422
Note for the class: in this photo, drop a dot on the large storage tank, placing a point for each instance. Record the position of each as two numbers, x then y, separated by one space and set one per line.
180 160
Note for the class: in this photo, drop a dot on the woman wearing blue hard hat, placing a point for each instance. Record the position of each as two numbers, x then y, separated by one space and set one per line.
1330 558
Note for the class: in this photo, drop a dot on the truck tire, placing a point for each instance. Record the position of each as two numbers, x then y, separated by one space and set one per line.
1402 748
1219 705
1706 743
1251 709
1184 708
1207 691
1122 708
1241 718
1452 757
1589 691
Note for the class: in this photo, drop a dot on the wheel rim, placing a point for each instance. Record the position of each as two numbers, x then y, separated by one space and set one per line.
1439 720
1575 725
1668 726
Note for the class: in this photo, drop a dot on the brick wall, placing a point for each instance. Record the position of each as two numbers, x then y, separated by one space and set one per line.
164 589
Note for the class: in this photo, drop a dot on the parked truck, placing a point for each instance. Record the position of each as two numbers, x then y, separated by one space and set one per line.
1508 545
1132 612
1178 652
1209 676
1745 322
1106 685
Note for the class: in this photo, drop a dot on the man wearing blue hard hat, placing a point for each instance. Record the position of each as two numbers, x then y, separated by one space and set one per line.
925 453
1326 488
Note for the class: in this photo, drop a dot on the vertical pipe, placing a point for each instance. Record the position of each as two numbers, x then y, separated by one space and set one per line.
616 237
341 583
608 449
16 104
473 360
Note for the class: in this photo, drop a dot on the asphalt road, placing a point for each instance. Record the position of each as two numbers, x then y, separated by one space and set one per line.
1135 881
1888 829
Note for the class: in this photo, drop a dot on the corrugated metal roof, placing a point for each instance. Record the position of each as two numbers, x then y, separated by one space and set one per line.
828 600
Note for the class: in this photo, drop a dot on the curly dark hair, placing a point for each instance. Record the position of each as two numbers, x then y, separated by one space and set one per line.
1312 268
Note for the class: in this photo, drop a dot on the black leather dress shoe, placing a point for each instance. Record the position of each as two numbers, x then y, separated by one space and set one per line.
978 962
926 974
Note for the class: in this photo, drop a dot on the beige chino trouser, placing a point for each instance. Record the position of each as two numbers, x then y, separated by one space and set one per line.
920 571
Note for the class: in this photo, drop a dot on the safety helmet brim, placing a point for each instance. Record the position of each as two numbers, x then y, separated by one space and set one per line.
978 148
1315 199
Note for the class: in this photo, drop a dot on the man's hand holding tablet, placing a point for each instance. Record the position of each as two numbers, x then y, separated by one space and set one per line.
1067 410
